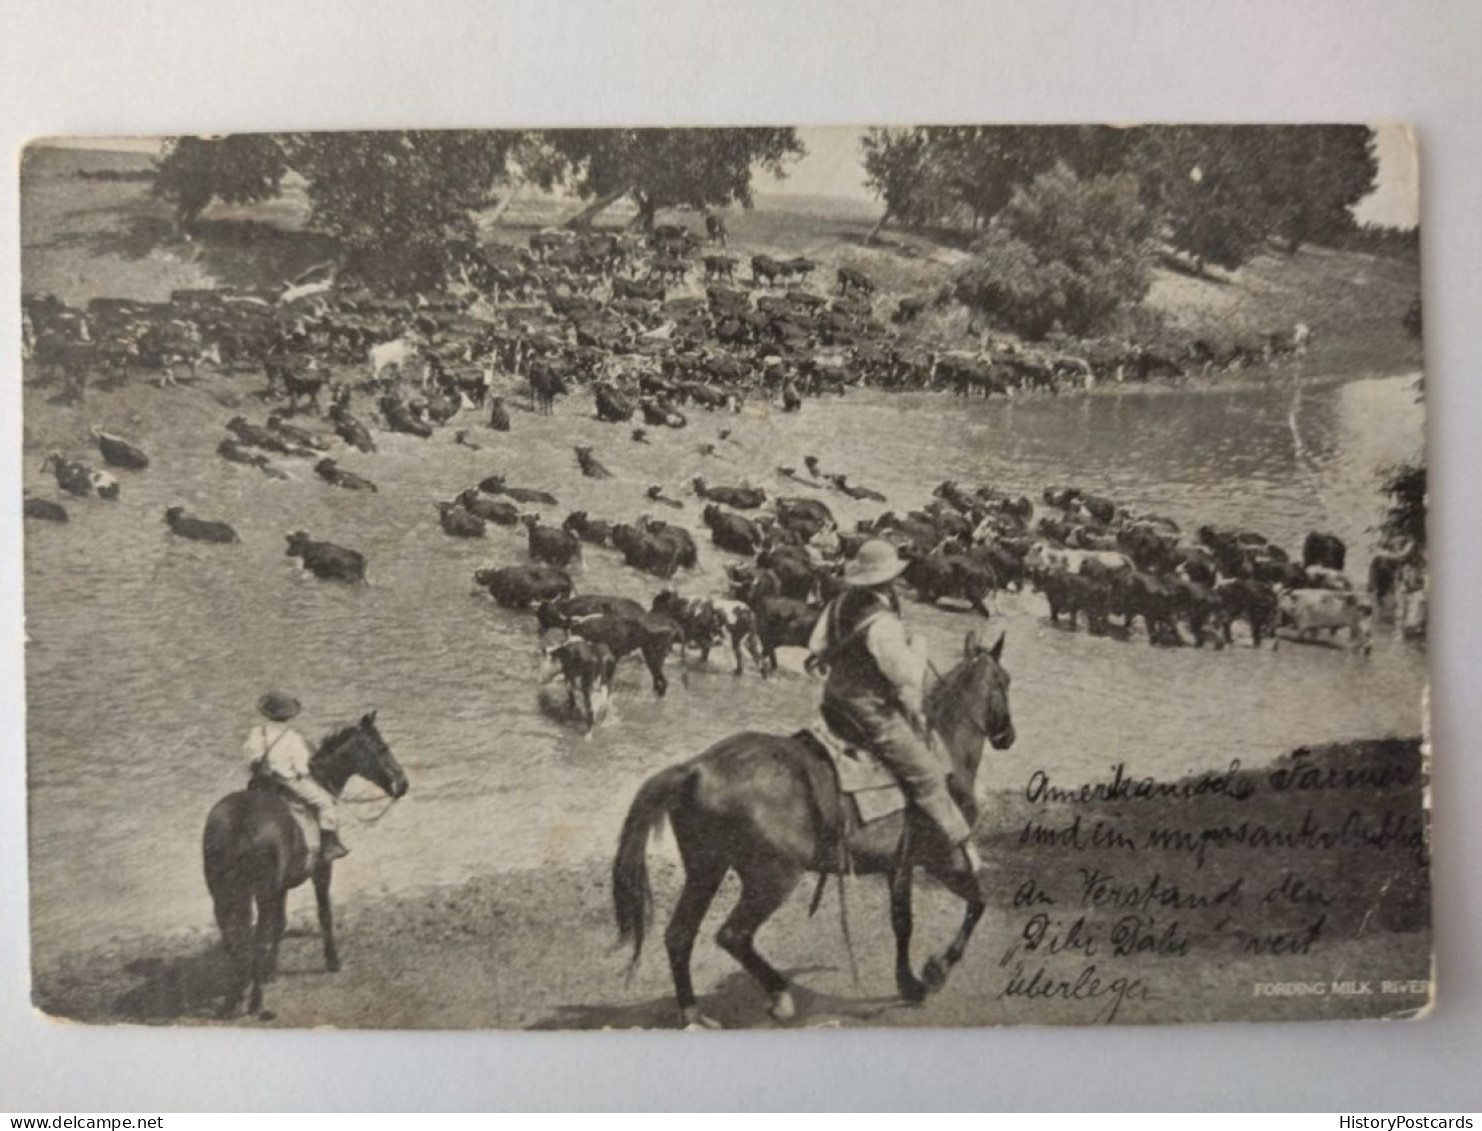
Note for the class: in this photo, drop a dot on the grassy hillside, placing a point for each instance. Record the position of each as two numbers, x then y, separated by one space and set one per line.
82 238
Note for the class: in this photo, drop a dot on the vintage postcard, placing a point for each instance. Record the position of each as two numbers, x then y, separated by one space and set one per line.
744 578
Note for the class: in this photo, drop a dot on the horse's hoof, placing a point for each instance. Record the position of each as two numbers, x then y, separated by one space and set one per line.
783 1006
911 990
934 974
267 1015
692 1020
332 965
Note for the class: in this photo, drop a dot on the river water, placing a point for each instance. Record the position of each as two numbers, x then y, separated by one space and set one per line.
147 654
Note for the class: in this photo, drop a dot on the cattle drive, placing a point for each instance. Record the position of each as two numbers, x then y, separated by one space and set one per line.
535 358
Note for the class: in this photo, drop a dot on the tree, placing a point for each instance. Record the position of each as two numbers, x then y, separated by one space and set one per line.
237 169
1064 252
396 199
900 169
669 168
1312 178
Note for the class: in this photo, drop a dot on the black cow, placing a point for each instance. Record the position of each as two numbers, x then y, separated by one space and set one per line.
1074 594
458 522
612 406
596 531
742 498
733 532
552 544
351 430
951 575
326 560
1246 599
519 587
647 552
336 476
566 611
648 634
782 622
496 511
590 466
196 529
498 415
1324 550
851 279
46 509
495 485
546 384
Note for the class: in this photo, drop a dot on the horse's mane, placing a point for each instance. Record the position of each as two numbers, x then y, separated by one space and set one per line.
947 689
336 736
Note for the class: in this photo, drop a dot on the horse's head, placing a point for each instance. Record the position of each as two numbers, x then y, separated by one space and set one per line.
972 701
360 749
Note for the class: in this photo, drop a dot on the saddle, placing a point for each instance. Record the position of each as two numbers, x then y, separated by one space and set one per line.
303 816
858 776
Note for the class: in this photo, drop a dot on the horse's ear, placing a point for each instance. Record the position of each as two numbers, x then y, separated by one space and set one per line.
368 720
970 643
997 650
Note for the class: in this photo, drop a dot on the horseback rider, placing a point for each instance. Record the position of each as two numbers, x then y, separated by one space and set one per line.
280 755
873 696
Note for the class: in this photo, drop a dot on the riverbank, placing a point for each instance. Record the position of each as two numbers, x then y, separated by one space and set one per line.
1225 934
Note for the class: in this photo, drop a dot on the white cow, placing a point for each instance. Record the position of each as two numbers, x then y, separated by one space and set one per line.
396 354
1307 611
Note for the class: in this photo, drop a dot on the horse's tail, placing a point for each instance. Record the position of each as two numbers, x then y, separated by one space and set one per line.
632 897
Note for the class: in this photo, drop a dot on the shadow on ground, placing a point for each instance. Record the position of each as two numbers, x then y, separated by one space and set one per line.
736 1002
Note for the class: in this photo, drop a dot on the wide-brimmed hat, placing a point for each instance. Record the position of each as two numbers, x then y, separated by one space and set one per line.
279 706
874 564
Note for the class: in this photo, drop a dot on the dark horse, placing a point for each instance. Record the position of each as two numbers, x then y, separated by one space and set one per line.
255 852
752 802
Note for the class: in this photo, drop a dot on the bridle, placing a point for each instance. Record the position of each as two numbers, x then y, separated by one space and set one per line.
980 729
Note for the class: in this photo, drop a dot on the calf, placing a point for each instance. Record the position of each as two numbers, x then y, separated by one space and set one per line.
588 669
650 635
198 530
326 560
1308 611
590 466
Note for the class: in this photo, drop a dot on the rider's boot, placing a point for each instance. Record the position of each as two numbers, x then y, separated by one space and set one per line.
330 847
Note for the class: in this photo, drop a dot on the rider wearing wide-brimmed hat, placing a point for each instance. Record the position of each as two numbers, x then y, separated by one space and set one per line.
873 696
281 754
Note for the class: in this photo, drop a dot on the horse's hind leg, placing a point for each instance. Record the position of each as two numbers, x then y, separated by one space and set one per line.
234 917
764 887
702 877
322 876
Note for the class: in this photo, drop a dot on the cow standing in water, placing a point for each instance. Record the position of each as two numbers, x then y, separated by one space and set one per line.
715 228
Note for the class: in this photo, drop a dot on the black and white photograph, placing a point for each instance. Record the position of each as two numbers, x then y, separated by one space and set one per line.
745 577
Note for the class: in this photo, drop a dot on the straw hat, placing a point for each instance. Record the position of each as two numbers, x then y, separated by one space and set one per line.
278 706
876 563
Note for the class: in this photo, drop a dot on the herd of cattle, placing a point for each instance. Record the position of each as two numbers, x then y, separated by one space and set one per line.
651 317
596 310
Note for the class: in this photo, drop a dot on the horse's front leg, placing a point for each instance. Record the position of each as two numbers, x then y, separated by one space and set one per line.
910 987
323 872
967 887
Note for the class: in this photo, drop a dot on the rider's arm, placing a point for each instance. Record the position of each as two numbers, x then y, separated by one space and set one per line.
818 641
901 661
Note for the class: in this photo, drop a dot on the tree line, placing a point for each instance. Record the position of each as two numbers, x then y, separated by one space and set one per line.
394 200
1066 222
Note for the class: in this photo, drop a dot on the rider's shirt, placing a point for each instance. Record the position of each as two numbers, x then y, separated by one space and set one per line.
283 752
869 651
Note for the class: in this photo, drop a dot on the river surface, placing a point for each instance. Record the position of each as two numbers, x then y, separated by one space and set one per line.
147 654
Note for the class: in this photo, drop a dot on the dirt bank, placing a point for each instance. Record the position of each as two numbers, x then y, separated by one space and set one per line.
535 949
